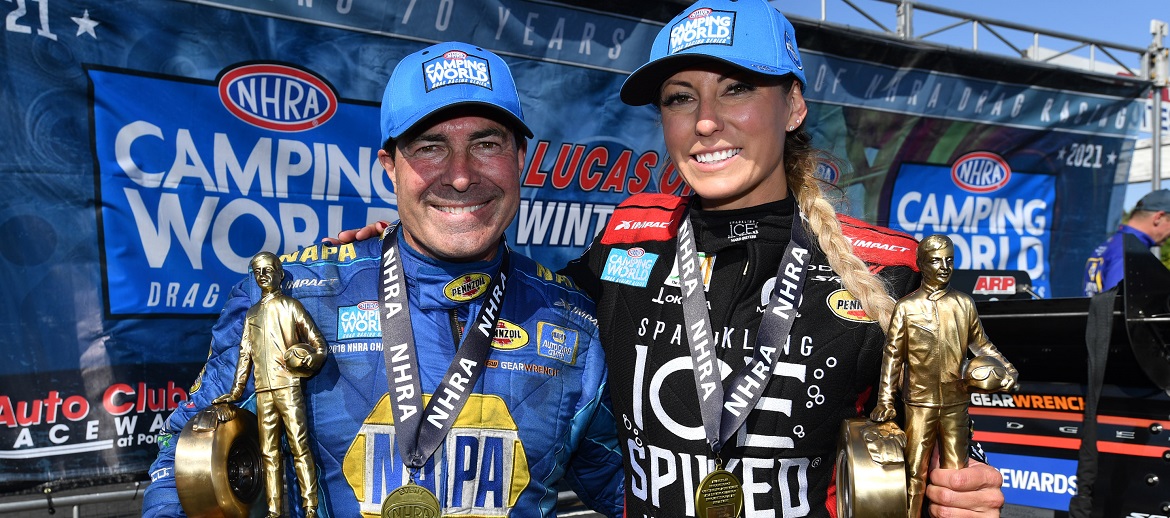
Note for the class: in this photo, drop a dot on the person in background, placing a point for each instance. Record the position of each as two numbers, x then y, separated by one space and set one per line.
1149 222
457 371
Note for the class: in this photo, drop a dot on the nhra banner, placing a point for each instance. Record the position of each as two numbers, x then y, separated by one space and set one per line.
154 146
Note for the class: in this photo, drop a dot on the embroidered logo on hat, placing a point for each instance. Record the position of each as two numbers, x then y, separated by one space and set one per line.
703 26
456 67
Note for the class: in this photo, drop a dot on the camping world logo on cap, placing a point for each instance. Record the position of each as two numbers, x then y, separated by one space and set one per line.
456 67
703 26
980 172
277 97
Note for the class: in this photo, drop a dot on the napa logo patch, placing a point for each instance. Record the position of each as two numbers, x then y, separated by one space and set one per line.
847 307
980 172
467 287
631 267
704 26
456 67
360 321
480 468
509 336
556 342
277 97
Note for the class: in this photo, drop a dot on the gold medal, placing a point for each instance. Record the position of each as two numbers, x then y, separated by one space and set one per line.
411 500
720 495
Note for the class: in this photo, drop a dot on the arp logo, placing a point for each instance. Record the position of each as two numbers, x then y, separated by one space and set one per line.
980 172
995 285
277 97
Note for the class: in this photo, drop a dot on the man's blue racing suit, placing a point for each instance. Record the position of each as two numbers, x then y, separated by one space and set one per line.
540 411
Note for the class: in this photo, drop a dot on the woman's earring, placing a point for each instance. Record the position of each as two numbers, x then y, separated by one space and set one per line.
791 127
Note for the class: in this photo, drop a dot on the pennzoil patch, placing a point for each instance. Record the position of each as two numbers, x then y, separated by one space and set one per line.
556 342
467 287
629 266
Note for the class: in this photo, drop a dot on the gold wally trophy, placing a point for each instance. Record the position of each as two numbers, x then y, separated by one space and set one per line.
881 469
279 346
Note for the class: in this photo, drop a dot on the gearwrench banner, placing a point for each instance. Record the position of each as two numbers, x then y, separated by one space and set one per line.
152 147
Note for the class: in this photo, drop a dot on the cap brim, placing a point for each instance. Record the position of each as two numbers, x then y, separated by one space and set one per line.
496 109
643 86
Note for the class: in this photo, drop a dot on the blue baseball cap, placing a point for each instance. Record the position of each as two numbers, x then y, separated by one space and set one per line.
445 75
749 34
1155 201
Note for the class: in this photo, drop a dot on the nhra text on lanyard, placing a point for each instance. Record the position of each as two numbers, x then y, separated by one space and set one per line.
721 419
417 440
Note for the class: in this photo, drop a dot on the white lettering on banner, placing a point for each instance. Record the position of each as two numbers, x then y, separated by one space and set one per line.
269 170
1055 483
587 31
572 224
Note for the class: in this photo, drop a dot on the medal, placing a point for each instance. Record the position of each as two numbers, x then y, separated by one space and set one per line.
411 500
720 495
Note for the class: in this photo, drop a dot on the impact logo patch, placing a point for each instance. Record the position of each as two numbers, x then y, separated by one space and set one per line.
845 306
509 336
360 321
980 172
480 469
703 26
631 267
556 342
467 287
277 97
456 67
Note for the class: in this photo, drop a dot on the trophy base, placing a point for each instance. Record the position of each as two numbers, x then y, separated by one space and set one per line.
217 464
867 488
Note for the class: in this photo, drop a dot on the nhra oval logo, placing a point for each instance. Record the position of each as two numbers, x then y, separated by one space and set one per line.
277 97
980 172
700 13
828 172
846 306
636 252
467 287
368 305
509 336
455 54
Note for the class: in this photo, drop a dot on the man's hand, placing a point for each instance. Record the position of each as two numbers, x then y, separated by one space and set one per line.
971 491
374 229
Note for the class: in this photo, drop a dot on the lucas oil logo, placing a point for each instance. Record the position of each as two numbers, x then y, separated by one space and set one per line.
980 172
509 336
703 26
845 306
277 97
467 287
480 469
456 67
360 321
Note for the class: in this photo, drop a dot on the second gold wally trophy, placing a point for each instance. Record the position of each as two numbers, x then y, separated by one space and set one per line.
881 468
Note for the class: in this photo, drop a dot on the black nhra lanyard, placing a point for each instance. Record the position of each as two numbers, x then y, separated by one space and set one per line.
416 442
751 379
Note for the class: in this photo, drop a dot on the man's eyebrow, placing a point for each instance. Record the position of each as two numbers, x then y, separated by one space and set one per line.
487 132
431 137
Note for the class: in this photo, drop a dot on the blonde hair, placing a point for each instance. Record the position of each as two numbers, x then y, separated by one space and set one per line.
800 162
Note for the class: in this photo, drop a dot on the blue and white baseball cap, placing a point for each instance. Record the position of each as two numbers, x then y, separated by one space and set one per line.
749 34
445 75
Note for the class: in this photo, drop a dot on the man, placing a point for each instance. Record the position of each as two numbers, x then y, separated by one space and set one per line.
271 327
1149 222
927 342
459 371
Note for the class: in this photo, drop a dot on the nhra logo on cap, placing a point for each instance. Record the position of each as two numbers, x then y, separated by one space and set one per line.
509 336
277 97
457 67
703 26
980 172
467 287
845 306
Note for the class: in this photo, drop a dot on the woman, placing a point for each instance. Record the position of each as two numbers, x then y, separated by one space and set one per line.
727 79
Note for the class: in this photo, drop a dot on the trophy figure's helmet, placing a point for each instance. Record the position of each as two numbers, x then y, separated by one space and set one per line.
987 374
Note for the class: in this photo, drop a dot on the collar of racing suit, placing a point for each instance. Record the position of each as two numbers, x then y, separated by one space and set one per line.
427 277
